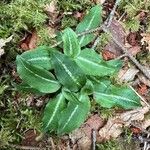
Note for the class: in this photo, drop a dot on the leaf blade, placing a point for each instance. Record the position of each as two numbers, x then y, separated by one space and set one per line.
67 72
51 112
92 20
116 96
74 115
37 78
89 61
70 43
39 57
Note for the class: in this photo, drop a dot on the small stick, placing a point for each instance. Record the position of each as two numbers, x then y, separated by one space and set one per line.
52 143
93 139
139 96
145 143
112 13
121 56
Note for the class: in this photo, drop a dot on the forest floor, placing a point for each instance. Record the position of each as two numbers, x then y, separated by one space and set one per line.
27 24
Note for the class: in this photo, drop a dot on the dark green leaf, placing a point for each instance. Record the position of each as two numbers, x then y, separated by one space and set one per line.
39 57
51 113
88 88
37 78
91 21
74 115
68 72
70 96
70 43
112 96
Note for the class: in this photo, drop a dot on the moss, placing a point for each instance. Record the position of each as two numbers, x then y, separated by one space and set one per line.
72 5
109 145
132 8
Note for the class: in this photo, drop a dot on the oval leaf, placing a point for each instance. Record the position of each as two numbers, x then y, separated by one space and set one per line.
70 43
37 78
91 21
51 112
74 115
89 61
68 72
39 57
116 96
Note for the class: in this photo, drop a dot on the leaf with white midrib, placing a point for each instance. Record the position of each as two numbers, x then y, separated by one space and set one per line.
51 113
36 77
67 72
71 45
112 96
117 97
74 115
39 57
91 21
90 62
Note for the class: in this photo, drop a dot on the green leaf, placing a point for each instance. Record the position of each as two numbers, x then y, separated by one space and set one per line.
88 88
89 61
70 96
91 21
36 77
51 113
67 72
70 43
27 88
39 57
74 115
110 96
116 64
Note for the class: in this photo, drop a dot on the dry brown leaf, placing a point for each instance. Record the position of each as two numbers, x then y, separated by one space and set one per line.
146 38
132 38
134 50
145 123
127 74
3 43
30 41
99 1
142 89
82 136
52 10
33 40
144 80
118 32
107 55
113 127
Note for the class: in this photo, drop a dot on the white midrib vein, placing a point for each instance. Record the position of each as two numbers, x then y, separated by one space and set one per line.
91 62
37 74
87 29
115 96
70 117
70 44
68 72
55 111
38 58
74 111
